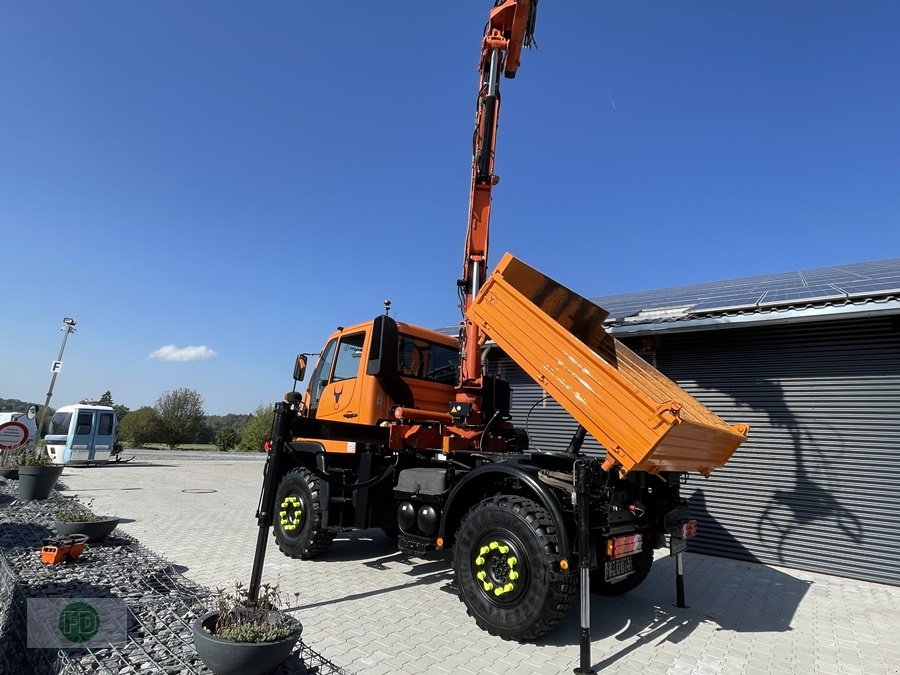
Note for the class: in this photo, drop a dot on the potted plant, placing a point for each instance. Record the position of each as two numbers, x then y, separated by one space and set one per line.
37 474
74 518
9 462
242 636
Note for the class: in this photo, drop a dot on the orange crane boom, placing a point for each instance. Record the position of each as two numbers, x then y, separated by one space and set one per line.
510 27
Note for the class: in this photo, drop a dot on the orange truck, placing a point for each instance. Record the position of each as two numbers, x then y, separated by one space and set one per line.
401 428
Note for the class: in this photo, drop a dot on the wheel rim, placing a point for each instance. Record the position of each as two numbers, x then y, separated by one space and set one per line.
499 568
292 515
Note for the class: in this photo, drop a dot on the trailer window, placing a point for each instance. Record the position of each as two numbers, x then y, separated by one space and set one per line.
59 424
349 357
85 422
106 424
428 361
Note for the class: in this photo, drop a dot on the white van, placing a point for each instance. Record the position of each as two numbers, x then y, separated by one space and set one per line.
81 434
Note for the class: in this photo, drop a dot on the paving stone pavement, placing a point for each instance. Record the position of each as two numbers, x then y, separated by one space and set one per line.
369 610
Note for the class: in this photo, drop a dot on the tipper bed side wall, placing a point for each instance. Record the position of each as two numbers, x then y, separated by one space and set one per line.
643 419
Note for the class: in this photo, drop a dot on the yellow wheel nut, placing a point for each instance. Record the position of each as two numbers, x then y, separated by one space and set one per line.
511 561
282 513
481 575
488 586
479 561
507 588
494 545
499 591
504 550
513 575
484 550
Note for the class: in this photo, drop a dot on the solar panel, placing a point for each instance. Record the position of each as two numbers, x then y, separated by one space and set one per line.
875 278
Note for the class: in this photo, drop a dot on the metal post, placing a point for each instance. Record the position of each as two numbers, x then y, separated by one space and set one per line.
679 581
583 497
284 416
67 327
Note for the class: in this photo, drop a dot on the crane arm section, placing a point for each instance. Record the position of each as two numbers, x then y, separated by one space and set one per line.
510 27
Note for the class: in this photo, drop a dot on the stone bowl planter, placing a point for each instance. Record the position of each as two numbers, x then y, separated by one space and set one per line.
36 482
226 657
95 531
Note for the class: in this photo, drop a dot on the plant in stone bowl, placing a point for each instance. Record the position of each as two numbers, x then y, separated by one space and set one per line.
37 473
9 461
245 636
76 518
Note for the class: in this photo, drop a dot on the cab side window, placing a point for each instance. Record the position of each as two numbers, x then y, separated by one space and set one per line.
349 357
85 423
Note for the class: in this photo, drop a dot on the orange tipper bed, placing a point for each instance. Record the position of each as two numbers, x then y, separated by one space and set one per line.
645 421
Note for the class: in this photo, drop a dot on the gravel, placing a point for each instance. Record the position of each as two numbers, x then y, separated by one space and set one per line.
162 604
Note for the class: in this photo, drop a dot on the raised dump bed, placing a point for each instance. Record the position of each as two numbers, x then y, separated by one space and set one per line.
644 420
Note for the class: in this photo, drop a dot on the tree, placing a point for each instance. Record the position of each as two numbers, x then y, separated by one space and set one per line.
226 439
107 399
257 430
140 427
180 415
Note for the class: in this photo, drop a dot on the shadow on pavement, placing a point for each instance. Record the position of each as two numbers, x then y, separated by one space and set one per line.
735 596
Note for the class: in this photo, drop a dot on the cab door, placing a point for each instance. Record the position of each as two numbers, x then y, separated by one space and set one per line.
105 436
337 389
81 443
340 397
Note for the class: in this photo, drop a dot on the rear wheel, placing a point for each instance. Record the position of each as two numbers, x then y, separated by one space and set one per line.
506 566
297 523
642 563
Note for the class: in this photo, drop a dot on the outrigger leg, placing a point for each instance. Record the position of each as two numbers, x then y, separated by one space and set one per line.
284 416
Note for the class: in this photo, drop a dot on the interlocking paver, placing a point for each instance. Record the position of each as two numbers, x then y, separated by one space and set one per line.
366 608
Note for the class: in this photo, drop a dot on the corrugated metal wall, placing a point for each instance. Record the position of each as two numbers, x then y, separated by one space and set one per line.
817 485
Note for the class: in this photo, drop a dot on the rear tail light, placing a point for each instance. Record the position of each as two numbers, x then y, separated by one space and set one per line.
689 529
619 547
267 446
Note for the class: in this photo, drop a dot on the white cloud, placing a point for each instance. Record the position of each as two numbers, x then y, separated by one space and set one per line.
173 353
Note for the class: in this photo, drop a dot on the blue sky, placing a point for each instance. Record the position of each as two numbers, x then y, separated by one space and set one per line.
244 177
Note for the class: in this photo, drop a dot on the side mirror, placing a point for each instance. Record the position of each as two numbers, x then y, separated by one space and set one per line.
300 368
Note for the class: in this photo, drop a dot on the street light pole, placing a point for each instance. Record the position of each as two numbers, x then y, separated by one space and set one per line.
67 327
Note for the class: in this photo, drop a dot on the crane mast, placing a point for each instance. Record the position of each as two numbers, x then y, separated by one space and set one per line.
510 27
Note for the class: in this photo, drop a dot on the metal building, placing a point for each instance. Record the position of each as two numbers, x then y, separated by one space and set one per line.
811 360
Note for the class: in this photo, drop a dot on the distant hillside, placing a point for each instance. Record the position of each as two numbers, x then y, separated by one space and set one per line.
15 405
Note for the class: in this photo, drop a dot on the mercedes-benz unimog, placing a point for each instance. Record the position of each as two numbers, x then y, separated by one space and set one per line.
401 428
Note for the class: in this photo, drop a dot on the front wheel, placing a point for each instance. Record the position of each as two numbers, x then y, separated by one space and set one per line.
297 524
506 566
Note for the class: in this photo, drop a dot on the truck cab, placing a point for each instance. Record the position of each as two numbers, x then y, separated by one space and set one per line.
366 370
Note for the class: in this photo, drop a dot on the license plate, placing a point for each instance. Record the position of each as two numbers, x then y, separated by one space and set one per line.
616 569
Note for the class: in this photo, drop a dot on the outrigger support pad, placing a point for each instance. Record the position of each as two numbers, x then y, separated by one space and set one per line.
281 426
583 479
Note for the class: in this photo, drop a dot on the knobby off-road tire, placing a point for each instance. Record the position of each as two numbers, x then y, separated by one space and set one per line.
506 563
643 561
297 524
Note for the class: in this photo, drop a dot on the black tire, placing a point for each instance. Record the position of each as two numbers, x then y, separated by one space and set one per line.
643 561
506 562
297 524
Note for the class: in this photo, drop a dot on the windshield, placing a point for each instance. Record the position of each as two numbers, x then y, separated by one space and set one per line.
59 424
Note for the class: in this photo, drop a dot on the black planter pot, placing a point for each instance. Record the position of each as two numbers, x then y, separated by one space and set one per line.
9 474
95 531
224 657
36 482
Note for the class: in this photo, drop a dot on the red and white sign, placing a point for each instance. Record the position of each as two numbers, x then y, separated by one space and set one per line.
12 435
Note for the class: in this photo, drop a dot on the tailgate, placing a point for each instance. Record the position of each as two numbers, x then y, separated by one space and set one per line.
643 419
